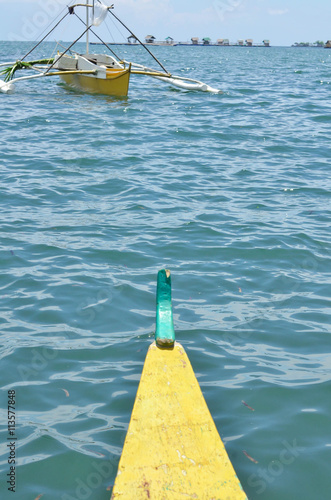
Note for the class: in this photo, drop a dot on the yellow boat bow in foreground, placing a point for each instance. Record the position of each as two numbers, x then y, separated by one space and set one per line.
172 449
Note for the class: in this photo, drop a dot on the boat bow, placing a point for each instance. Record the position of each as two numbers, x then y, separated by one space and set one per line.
172 448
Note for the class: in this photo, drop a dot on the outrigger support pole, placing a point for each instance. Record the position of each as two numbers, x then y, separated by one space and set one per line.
67 50
26 55
141 43
97 36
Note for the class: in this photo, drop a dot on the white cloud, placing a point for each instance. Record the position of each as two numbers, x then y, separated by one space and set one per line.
162 18
277 12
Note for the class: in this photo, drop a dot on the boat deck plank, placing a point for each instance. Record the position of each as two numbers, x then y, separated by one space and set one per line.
172 448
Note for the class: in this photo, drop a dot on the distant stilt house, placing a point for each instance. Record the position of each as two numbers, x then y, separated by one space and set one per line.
241 42
169 40
223 41
328 44
206 40
195 40
132 39
149 39
266 43
249 42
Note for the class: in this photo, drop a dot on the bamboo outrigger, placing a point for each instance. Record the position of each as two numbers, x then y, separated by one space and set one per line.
95 73
172 448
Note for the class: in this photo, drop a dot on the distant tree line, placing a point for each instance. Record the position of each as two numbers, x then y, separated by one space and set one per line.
318 43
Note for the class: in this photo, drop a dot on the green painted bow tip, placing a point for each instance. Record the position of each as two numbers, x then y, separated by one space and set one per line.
164 333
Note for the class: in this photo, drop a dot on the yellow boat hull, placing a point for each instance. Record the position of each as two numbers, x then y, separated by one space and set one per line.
116 82
172 448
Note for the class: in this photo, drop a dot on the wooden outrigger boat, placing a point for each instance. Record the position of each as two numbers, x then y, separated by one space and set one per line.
95 73
172 448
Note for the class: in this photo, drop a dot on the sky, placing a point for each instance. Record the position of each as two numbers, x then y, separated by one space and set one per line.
283 22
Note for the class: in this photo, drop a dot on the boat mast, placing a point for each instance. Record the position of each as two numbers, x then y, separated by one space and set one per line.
87 33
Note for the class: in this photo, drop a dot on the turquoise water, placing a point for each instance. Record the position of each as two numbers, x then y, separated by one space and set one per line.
232 192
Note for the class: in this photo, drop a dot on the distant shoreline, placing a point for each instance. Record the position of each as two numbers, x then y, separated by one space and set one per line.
180 44
183 44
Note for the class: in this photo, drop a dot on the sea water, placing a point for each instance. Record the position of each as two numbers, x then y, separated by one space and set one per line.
231 192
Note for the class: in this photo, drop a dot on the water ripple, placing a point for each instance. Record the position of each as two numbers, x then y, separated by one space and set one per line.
233 193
